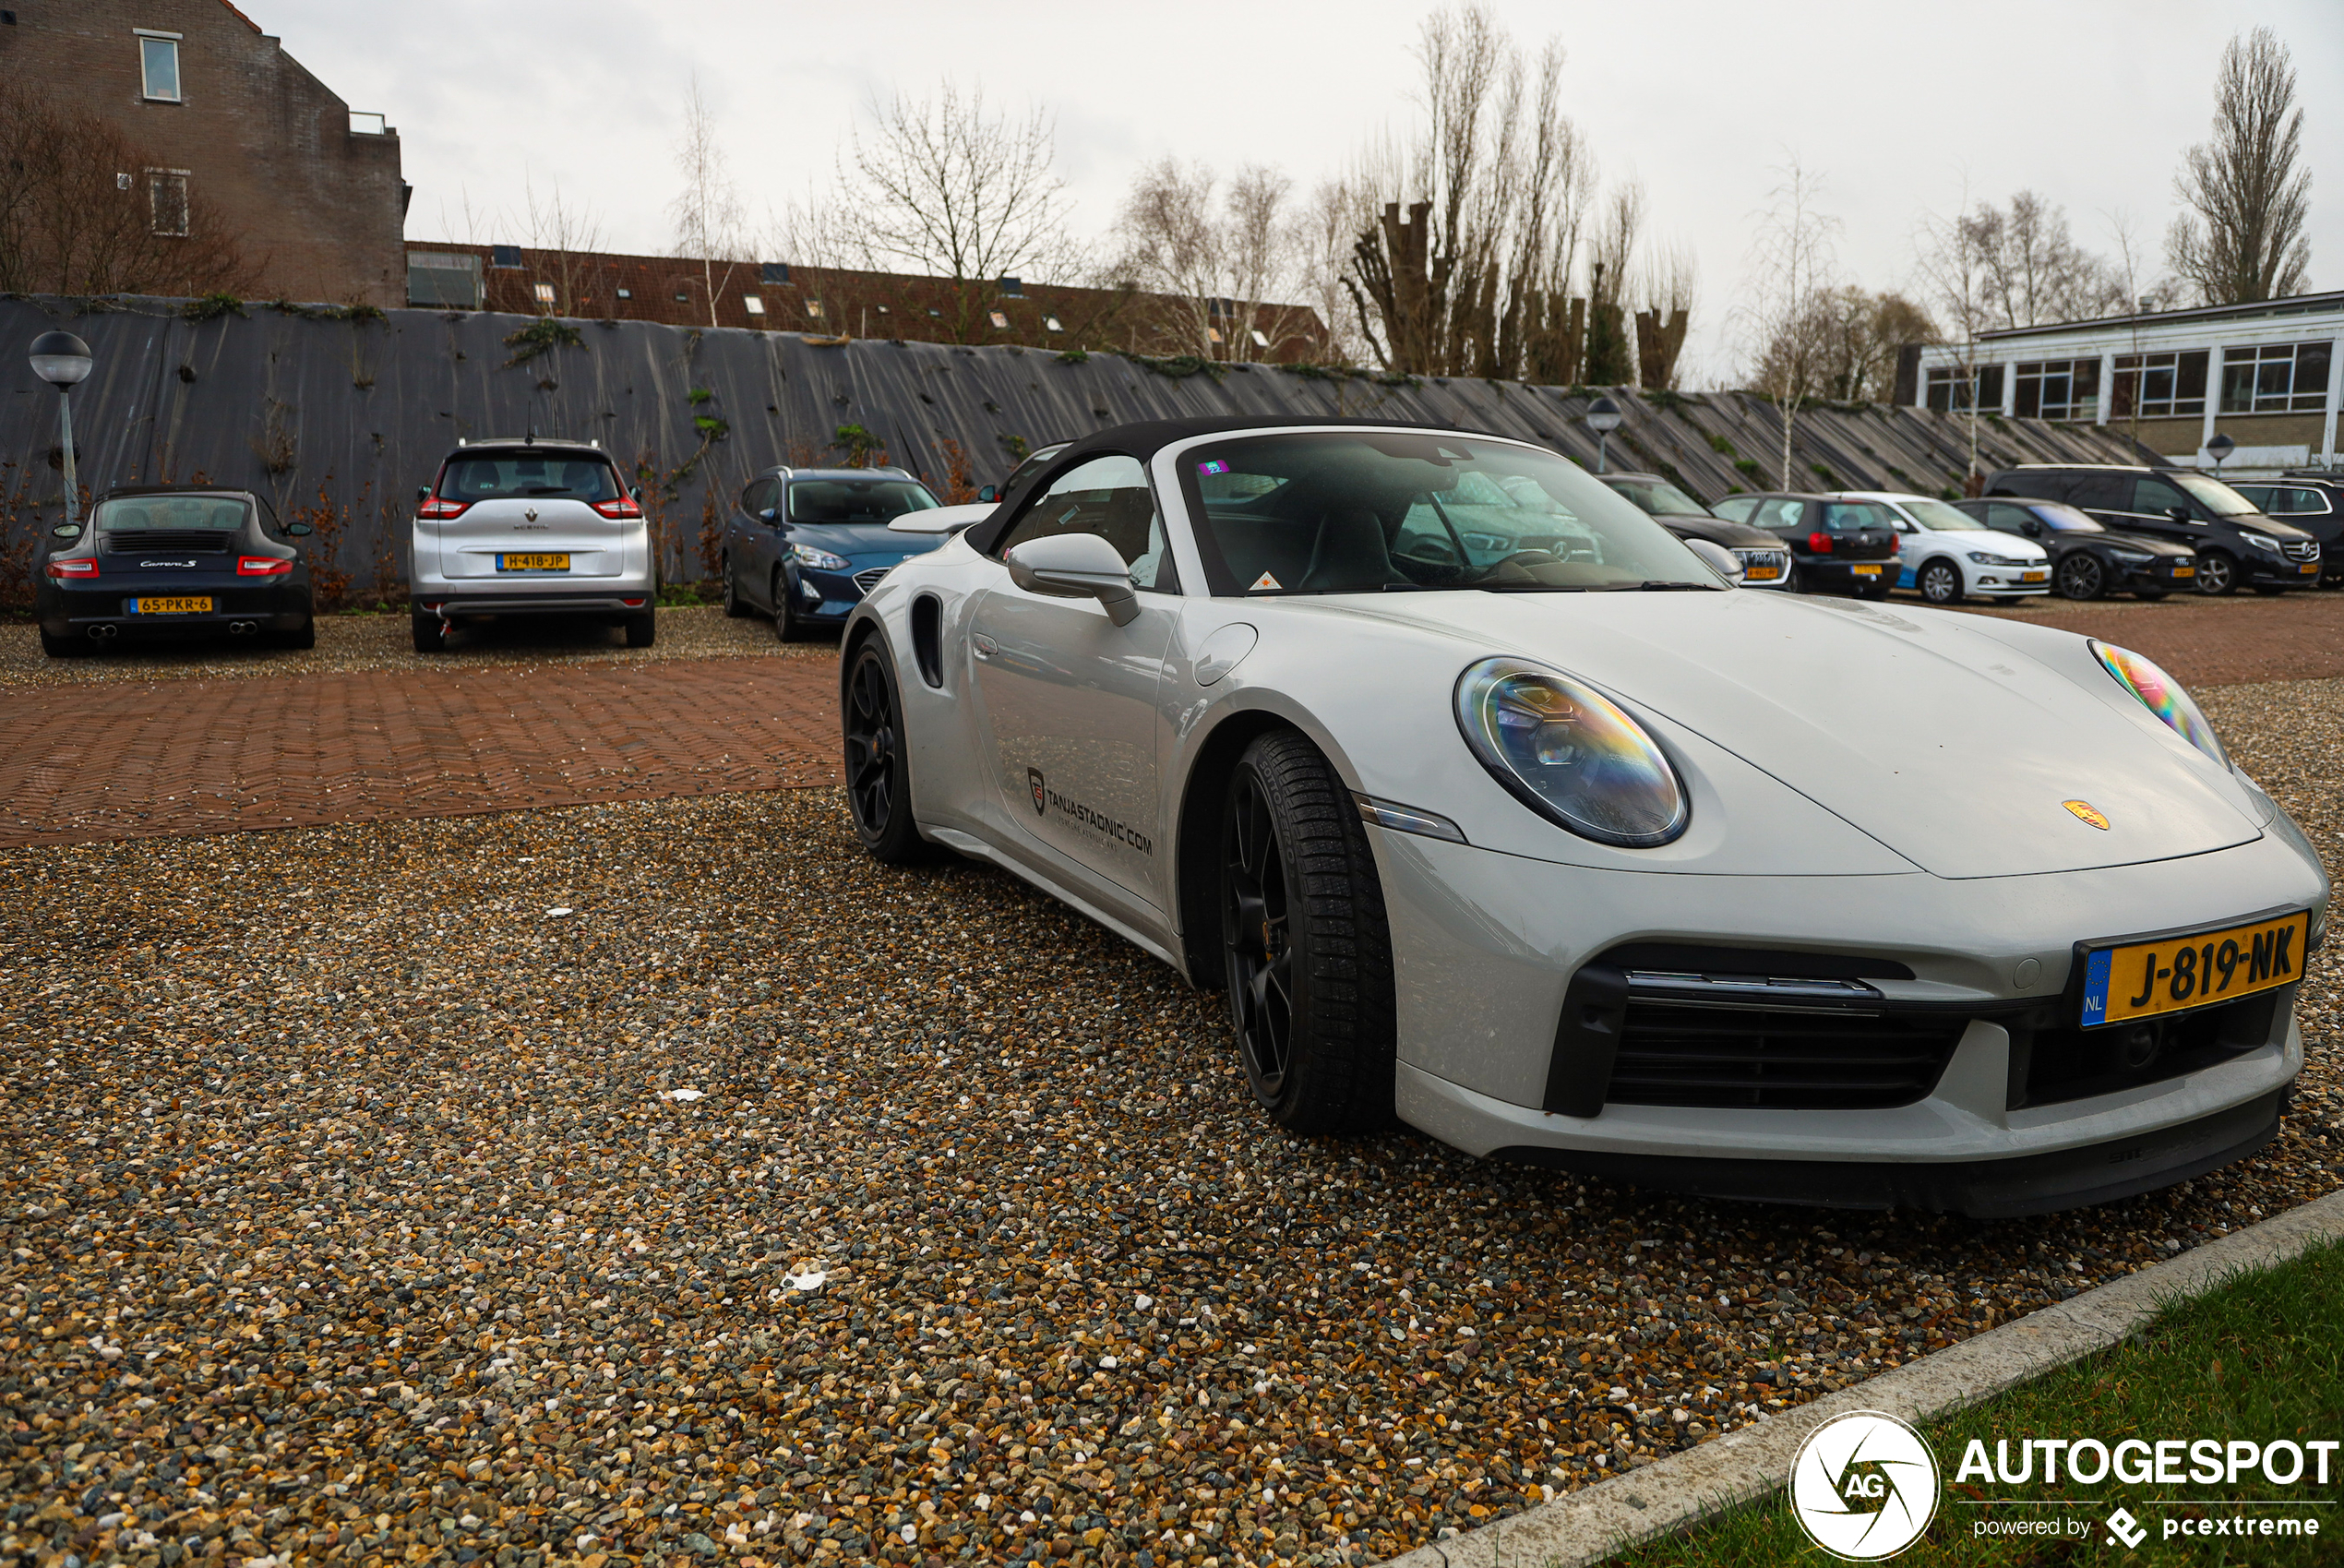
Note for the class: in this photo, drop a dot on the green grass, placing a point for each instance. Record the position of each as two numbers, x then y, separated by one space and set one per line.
2261 1358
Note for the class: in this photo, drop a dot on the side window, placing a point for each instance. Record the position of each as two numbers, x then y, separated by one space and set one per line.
1782 516
1735 509
268 523
2316 502
2154 498
2008 519
1109 496
2109 492
758 496
2295 502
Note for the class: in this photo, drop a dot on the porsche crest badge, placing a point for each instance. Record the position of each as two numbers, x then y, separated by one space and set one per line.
1041 796
2086 812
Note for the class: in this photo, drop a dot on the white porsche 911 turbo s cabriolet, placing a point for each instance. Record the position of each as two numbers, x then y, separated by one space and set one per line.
1495 809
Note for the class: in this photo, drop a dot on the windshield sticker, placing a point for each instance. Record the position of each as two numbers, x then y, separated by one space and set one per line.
1264 582
1216 466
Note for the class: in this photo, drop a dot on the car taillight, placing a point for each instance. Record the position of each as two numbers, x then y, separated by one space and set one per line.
261 565
440 506
78 567
634 603
620 506
1820 543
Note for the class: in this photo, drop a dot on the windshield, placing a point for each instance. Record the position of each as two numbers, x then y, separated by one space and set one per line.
212 514
1942 519
2213 495
1364 513
2064 519
1658 497
849 501
516 474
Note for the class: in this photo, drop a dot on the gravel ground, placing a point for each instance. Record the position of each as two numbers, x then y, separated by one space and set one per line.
651 1182
347 644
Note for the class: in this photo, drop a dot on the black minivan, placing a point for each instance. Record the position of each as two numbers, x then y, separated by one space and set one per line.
2235 543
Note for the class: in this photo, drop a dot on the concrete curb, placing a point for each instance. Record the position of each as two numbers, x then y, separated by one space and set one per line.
1672 1494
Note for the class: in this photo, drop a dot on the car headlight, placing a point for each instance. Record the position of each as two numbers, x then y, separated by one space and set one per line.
2161 694
2260 542
1570 754
1983 559
806 556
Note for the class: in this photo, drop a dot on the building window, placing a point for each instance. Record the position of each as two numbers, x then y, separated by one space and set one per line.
1052 324
504 255
449 280
167 200
682 298
544 292
626 294
772 272
751 304
2158 385
1261 338
159 64
814 308
2057 388
1000 322
1213 333
1949 389
363 122
2276 379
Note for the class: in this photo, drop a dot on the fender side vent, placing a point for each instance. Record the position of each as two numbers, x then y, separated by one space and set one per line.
928 638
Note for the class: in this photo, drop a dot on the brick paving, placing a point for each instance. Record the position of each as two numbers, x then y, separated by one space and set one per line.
134 760
90 759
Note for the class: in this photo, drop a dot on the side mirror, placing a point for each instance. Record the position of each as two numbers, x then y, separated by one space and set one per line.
298 530
989 493
66 530
1718 558
422 494
2031 528
1076 566
2178 514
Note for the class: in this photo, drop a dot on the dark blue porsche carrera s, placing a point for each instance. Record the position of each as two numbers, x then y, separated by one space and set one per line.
159 563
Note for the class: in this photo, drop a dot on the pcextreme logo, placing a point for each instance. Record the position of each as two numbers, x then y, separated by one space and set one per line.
1864 1486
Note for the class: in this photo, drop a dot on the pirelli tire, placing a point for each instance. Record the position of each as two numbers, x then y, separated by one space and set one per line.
1306 944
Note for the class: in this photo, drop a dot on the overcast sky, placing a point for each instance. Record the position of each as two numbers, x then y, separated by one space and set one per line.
1897 106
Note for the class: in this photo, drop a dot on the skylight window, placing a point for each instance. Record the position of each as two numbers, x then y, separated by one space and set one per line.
504 255
544 292
1261 338
1000 322
814 308
1051 324
753 304
626 294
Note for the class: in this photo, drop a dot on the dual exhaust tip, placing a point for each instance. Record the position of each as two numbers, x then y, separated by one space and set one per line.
106 633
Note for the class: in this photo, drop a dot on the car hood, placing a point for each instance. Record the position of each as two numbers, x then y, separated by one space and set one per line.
1931 732
2143 542
2010 547
1719 530
857 540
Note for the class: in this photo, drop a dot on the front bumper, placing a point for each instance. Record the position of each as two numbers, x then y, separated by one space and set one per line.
2162 575
821 597
2260 572
2009 582
1487 947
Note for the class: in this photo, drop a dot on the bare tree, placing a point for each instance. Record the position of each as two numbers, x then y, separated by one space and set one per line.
1791 267
1214 260
563 236
1465 269
1853 336
710 228
2247 194
85 211
947 188
1611 257
2035 271
1953 264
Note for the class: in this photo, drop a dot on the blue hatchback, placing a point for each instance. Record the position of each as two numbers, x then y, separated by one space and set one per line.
804 544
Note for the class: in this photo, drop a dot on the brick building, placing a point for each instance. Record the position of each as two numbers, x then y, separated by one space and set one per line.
832 302
310 191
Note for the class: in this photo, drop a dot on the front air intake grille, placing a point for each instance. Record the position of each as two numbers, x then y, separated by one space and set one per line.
2302 549
869 578
1794 1058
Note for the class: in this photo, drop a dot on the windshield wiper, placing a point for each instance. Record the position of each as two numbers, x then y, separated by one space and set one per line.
1526 587
1657 585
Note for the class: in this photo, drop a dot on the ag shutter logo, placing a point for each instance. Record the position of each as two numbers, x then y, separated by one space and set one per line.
1864 1486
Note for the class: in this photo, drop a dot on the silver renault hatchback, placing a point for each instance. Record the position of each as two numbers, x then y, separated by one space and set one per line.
529 527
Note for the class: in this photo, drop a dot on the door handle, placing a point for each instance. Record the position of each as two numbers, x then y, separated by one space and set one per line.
986 647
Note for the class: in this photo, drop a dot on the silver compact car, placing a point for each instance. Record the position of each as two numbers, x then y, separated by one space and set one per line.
1493 810
529 527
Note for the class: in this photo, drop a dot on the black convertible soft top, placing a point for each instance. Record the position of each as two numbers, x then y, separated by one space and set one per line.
1144 440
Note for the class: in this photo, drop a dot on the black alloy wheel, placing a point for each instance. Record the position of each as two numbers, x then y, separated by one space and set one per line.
1304 938
1940 583
2217 574
878 785
2080 577
302 636
642 630
735 606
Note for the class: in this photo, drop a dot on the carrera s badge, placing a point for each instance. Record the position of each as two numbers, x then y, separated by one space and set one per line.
2086 812
1041 794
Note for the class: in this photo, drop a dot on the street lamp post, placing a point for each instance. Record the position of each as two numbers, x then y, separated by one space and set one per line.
2217 448
63 360
1602 418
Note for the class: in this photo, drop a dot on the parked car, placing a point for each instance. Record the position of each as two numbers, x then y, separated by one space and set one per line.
1765 559
529 527
2088 559
1945 555
1833 544
804 544
2313 502
158 562
2234 544
1493 811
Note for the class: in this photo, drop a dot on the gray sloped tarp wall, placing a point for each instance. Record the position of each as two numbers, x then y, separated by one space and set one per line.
296 403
